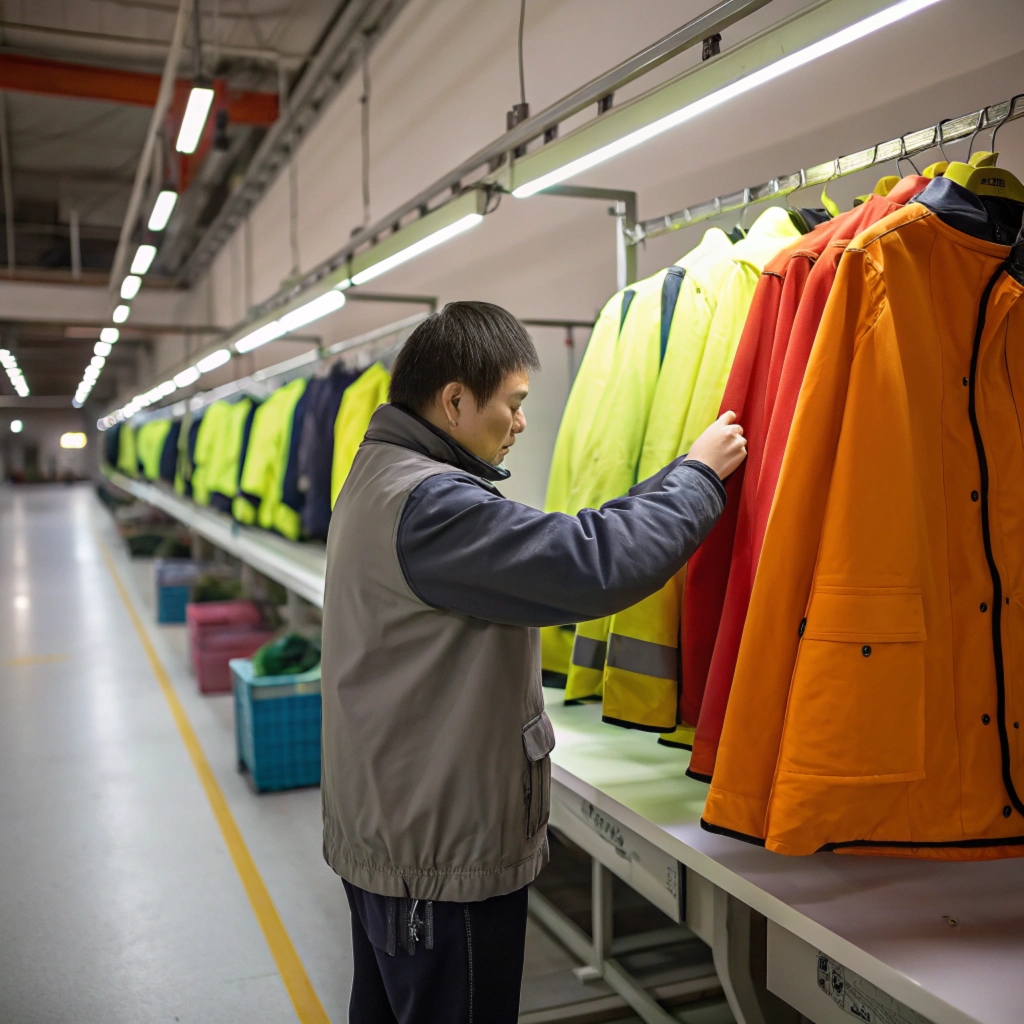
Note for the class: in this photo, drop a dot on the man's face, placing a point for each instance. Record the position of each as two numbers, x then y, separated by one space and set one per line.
490 432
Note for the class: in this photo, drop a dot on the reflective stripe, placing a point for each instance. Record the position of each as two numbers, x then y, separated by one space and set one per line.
642 657
587 653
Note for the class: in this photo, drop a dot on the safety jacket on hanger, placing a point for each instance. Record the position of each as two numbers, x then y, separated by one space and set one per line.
879 689
722 572
169 452
259 499
288 511
225 463
127 457
360 401
186 451
642 677
611 454
208 441
150 445
592 378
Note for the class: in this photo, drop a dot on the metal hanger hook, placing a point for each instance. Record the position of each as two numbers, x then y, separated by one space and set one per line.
1009 113
938 137
903 156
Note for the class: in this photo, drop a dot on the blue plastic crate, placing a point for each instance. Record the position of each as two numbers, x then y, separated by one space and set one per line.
277 726
170 603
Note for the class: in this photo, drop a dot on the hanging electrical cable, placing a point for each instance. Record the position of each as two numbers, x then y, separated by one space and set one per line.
522 73
364 100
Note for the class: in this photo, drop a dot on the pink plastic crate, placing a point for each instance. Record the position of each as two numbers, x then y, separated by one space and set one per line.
210 658
215 614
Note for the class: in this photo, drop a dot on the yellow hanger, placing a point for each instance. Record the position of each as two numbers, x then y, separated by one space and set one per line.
986 181
983 158
886 185
935 170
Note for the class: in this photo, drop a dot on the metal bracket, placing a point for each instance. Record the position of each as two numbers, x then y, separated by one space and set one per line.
625 213
417 300
711 47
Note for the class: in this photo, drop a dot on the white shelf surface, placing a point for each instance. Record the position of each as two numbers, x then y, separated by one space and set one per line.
886 918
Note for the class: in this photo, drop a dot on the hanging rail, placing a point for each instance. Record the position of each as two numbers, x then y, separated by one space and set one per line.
900 148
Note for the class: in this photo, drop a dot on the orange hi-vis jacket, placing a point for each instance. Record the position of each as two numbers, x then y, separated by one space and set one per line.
879 689
713 618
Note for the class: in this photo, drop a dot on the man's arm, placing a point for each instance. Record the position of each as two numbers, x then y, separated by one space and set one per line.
468 550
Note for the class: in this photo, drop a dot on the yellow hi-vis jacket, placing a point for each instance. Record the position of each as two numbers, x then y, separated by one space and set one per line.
224 467
266 460
641 676
127 457
611 454
149 443
358 404
207 442
592 378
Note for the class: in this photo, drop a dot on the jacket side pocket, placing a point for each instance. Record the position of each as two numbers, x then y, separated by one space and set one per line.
857 700
538 742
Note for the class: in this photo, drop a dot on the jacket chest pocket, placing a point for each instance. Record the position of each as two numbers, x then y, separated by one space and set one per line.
856 703
538 742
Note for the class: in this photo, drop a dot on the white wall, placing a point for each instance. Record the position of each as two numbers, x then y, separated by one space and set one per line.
444 76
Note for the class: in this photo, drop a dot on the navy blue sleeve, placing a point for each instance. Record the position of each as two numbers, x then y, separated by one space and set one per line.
466 549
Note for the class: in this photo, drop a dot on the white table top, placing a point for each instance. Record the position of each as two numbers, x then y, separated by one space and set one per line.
882 917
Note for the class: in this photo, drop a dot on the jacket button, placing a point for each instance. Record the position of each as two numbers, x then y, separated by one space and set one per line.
985 719
1007 812
984 607
974 495
866 651
803 626
965 382
1016 725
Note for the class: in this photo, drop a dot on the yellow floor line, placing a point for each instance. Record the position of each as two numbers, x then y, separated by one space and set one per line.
36 659
307 1004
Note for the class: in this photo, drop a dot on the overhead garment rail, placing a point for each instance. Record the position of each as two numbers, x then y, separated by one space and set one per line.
490 170
903 148
262 382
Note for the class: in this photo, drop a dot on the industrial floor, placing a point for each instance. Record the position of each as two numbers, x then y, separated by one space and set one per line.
140 877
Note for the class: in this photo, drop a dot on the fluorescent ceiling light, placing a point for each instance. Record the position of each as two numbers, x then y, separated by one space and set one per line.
98 362
417 248
743 85
102 348
186 377
72 439
110 335
213 360
120 314
319 307
194 120
130 287
167 388
17 426
143 260
268 332
162 209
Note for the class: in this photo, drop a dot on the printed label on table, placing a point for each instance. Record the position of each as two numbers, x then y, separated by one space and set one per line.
859 998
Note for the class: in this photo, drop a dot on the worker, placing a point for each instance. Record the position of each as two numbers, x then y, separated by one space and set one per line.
436 770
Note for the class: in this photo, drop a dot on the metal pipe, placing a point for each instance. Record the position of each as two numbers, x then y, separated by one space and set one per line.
76 245
163 101
5 159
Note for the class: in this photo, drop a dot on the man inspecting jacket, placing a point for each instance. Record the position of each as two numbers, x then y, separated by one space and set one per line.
436 773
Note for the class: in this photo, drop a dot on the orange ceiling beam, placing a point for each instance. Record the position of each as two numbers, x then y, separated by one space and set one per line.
83 81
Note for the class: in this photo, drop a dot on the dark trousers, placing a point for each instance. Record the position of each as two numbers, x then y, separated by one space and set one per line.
419 962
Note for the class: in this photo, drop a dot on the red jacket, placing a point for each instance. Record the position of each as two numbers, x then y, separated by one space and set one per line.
807 280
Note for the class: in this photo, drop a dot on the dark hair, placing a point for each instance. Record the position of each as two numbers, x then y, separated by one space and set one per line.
476 344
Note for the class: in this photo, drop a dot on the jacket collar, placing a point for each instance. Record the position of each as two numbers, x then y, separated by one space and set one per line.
391 424
989 218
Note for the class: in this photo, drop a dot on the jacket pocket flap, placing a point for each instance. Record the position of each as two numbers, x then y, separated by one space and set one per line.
538 737
865 615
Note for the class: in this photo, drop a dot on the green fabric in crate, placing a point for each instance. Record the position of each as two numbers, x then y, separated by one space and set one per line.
286 655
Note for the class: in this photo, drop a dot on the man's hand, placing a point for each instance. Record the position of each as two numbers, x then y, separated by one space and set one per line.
722 446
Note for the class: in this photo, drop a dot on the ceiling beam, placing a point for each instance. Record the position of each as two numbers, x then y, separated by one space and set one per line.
46 77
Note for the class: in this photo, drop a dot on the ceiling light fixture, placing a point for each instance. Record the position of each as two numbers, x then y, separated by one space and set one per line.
162 209
17 426
193 121
73 439
313 310
120 314
110 335
187 377
268 332
213 360
143 260
102 348
792 61
130 287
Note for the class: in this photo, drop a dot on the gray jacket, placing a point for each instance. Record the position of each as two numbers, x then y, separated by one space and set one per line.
436 774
